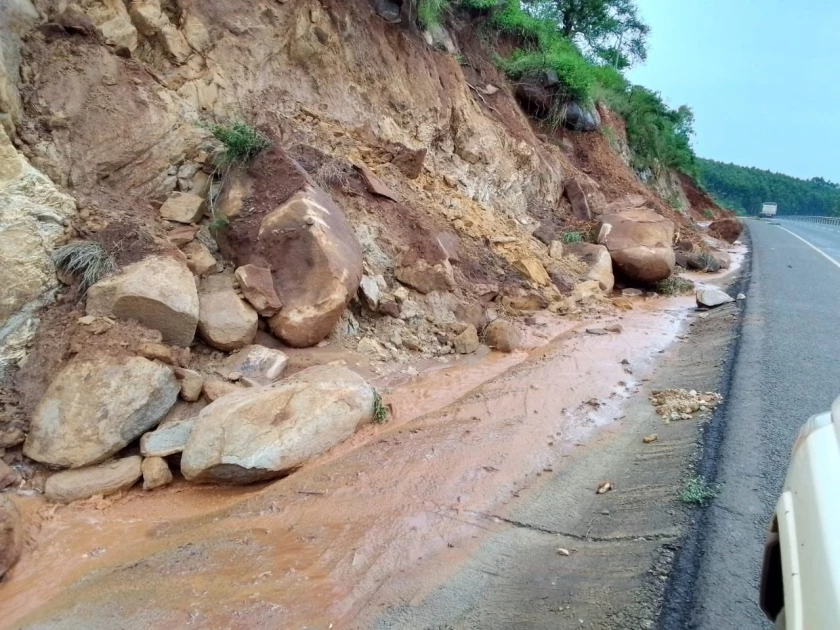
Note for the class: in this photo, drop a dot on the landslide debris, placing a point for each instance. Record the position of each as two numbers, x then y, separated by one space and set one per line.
682 404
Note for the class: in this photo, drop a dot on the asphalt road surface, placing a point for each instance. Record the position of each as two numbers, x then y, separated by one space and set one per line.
787 367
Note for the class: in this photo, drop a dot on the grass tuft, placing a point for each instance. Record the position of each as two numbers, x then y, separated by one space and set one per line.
707 262
674 285
241 141
696 491
572 237
380 411
87 260
333 173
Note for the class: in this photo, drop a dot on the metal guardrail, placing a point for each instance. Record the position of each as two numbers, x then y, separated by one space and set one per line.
817 220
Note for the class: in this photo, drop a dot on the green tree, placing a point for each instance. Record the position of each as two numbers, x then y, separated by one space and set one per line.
745 189
611 30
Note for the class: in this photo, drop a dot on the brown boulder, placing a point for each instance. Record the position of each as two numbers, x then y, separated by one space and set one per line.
159 292
639 242
728 229
225 321
257 286
502 336
599 261
199 258
183 208
293 228
11 534
467 342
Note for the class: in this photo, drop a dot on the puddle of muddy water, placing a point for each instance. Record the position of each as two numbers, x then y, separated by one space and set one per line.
314 549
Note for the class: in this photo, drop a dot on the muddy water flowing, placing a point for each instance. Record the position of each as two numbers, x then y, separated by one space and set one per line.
383 518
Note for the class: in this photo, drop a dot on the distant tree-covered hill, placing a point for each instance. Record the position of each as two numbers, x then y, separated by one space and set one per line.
745 188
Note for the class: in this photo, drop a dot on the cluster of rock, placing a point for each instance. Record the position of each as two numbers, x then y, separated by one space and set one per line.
260 428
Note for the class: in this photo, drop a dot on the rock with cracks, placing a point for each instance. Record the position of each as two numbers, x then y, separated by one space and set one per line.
293 228
640 243
599 262
96 407
266 432
257 365
159 292
225 320
105 479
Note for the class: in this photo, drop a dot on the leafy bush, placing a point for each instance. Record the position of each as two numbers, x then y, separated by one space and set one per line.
709 213
577 82
696 491
380 411
85 259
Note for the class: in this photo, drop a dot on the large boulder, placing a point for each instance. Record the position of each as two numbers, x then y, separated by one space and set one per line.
640 244
11 534
265 432
293 228
578 117
599 262
225 321
83 483
159 292
95 407
728 229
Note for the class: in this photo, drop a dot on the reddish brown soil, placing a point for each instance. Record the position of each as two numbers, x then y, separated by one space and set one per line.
700 201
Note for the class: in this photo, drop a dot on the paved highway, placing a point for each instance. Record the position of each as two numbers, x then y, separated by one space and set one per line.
787 367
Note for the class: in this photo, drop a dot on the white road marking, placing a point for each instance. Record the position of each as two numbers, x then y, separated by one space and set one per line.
812 246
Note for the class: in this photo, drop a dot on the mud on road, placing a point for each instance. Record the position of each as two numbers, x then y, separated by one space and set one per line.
450 515
621 544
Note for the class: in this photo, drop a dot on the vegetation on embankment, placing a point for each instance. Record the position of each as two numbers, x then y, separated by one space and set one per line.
587 45
744 189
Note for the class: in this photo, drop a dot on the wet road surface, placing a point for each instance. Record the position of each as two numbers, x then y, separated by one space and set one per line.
786 368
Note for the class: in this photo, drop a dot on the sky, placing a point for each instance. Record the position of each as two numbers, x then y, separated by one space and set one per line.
762 77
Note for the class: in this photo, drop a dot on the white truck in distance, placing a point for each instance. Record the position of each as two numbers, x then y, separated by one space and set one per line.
768 210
